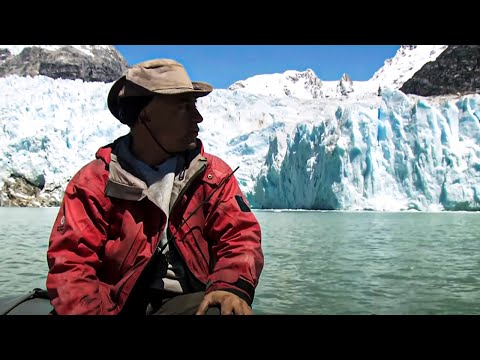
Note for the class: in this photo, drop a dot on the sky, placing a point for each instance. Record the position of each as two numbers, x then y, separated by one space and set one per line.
222 65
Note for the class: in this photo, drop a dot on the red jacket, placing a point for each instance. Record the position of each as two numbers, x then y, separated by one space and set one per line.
107 230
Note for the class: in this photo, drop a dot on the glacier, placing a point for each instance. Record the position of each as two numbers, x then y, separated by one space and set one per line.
315 146
409 153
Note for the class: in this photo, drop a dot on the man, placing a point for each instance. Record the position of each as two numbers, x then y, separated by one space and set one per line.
154 225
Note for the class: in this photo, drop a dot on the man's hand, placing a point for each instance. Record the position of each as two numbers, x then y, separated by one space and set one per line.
230 304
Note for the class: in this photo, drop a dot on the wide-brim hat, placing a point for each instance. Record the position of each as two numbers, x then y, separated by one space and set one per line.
159 76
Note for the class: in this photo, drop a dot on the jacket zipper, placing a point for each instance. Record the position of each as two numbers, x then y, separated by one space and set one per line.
187 185
169 234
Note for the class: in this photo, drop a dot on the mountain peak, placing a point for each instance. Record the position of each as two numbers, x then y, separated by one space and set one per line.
306 85
299 84
406 62
86 62
346 78
345 85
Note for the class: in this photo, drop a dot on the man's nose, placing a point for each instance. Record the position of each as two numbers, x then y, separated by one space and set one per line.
196 116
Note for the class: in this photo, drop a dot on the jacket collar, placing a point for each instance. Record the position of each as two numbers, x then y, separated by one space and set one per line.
123 185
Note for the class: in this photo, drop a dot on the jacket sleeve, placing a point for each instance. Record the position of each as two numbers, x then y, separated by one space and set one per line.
236 243
78 236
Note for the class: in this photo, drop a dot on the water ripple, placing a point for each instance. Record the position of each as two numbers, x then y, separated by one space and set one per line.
370 263
316 262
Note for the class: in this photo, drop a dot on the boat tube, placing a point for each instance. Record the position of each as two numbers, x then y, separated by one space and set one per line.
36 302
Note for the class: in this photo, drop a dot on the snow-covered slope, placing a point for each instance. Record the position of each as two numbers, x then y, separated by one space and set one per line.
306 85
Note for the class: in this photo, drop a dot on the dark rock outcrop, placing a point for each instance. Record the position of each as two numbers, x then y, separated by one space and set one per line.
4 55
106 64
18 191
345 85
456 70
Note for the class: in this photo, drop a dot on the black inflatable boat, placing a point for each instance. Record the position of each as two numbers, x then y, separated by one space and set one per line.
35 302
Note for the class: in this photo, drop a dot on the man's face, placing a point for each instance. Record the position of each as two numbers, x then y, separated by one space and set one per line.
173 120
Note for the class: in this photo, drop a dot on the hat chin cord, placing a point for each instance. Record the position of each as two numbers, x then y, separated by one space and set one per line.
155 139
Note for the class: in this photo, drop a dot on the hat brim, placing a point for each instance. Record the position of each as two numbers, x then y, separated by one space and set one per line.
199 89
